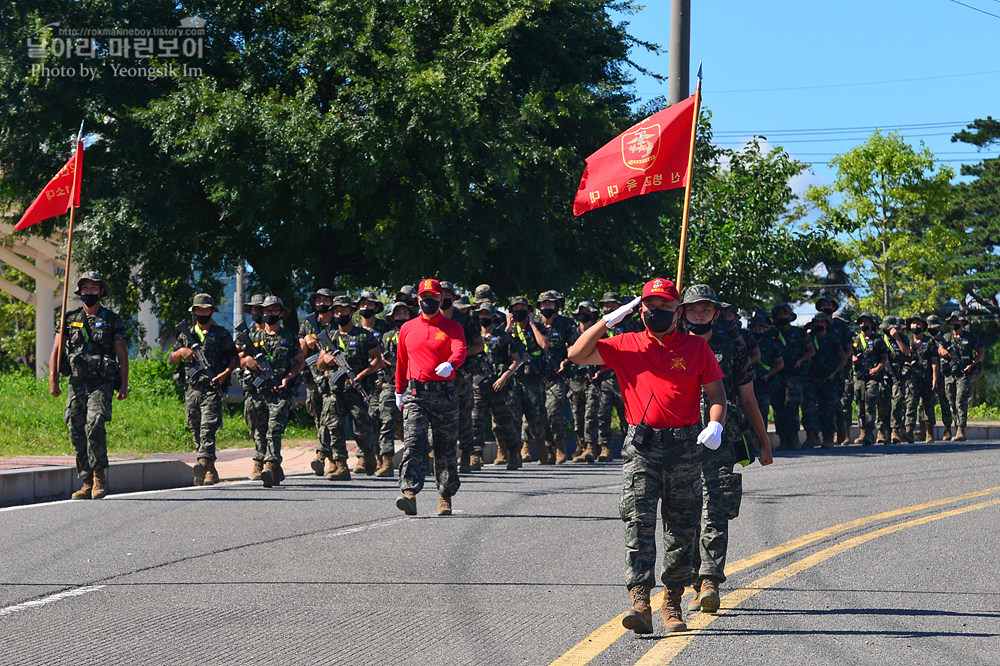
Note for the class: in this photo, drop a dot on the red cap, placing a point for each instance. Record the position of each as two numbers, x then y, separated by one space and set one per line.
429 286
660 287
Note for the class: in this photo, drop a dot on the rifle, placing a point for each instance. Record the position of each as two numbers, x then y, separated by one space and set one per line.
266 376
333 375
200 366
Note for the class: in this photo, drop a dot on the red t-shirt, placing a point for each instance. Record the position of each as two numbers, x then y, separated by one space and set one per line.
424 344
672 373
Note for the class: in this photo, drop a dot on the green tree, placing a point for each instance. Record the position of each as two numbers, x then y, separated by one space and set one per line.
888 201
17 324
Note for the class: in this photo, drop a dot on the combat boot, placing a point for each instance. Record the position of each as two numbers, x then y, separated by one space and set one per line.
339 471
407 503
199 470
578 453
501 458
843 436
709 596
881 437
85 491
464 464
606 454
258 469
371 462
100 484
267 476
928 432
359 464
673 620
828 442
279 473
639 618
918 436
861 437
810 439
211 474
895 437
526 453
545 454
959 434
559 450
384 467
591 454
444 506
947 433
475 461
908 434
317 463
514 459
695 604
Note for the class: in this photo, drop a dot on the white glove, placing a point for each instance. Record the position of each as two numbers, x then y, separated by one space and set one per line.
613 318
399 401
444 370
711 436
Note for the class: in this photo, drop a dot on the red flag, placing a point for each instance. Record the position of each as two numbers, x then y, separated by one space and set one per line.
650 156
62 191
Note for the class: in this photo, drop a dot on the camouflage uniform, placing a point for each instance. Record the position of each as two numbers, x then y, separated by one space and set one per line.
941 394
609 391
91 362
527 390
561 334
919 388
892 399
870 350
786 392
381 400
345 400
244 378
957 384
430 406
840 330
310 325
388 413
584 398
270 411
463 384
770 351
820 397
498 355
202 400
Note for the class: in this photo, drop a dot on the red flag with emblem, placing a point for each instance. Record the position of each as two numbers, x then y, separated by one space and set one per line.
56 198
650 156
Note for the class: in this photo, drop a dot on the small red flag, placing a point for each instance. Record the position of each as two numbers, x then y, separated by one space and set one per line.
650 156
57 197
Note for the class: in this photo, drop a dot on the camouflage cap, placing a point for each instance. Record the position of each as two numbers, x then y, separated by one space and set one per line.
916 317
484 292
256 301
520 300
783 306
757 317
874 318
449 286
272 300
398 304
203 301
322 291
586 305
933 321
372 298
843 315
487 307
552 295
406 293
463 304
825 295
344 301
821 316
701 292
91 276
610 297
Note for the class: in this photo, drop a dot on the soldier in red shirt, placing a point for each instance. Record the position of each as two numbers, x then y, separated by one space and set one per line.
661 373
431 347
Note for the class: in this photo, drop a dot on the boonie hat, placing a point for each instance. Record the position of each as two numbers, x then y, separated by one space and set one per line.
701 292
203 301
91 276
256 301
370 296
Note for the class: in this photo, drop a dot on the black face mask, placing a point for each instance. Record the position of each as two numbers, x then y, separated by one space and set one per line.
272 319
367 313
584 317
728 326
866 328
957 325
321 309
398 322
446 303
917 331
829 309
697 329
203 319
548 313
783 323
257 318
658 321
90 300
429 306
486 323
520 315
343 320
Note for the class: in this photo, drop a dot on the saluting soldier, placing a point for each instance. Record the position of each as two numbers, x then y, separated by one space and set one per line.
961 353
470 458
923 381
271 406
584 395
786 394
869 358
892 400
820 397
607 382
527 394
321 302
491 384
204 391
561 333
96 360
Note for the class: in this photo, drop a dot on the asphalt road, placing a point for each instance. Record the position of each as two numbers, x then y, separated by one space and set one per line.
528 570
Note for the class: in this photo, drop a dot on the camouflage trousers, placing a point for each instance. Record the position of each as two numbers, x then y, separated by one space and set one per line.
820 403
786 399
610 400
486 401
423 409
384 414
942 399
958 389
314 405
337 406
556 402
667 469
891 404
585 403
88 409
722 492
269 414
762 392
203 408
846 412
920 399
527 401
866 394
466 433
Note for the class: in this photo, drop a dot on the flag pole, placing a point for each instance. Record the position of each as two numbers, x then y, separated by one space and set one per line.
690 174
69 251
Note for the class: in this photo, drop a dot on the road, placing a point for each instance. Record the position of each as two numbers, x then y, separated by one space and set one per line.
850 556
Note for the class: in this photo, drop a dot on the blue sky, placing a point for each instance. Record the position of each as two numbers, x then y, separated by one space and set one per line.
797 72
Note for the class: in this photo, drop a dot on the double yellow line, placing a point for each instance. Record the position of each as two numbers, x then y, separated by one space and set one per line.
603 637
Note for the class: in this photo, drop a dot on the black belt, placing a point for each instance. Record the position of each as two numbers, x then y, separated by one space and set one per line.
683 432
414 386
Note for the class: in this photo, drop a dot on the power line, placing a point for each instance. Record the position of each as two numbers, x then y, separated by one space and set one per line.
842 138
837 130
981 11
851 85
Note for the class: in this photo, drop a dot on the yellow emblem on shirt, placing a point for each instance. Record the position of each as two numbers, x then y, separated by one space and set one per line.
441 335
76 324
677 363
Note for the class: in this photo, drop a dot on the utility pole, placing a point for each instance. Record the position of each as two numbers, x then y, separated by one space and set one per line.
680 51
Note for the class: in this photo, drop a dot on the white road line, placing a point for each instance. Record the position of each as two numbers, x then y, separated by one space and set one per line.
45 601
361 528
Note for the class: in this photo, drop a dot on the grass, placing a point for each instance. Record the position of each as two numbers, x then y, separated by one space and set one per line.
150 420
